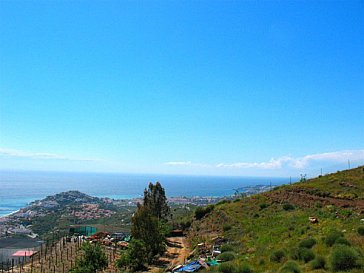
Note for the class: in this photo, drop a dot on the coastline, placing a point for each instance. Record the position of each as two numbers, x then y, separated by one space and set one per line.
9 214
250 189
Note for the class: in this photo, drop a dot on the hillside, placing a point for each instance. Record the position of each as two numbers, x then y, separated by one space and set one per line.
265 231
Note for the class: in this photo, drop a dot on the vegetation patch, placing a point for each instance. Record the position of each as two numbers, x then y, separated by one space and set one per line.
228 267
344 258
277 256
308 243
290 267
332 237
243 268
226 247
361 231
227 227
318 263
263 206
288 206
226 256
302 254
342 241
202 211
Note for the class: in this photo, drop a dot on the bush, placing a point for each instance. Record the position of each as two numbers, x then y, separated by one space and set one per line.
361 231
346 212
332 237
200 212
290 267
135 257
263 206
318 263
93 259
288 206
308 243
277 256
223 202
342 241
344 258
227 267
302 254
226 227
226 247
306 254
226 256
243 268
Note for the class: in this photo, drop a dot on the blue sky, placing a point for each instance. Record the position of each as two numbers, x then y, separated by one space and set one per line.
186 87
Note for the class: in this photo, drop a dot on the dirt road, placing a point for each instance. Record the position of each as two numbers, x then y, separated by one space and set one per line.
177 250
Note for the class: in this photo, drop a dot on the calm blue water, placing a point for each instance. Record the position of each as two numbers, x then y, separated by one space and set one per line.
17 189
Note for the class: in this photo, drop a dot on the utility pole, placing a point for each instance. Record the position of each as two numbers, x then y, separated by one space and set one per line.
321 171
349 163
290 180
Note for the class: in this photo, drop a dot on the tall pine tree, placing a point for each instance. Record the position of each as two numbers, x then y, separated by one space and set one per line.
155 199
147 228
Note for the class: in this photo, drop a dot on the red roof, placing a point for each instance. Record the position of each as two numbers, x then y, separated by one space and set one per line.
24 253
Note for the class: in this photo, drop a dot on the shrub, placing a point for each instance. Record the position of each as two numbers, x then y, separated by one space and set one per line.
226 227
223 202
226 256
361 231
277 256
135 257
342 241
93 259
344 258
227 267
318 263
200 212
332 237
290 267
288 206
346 212
243 268
302 254
226 247
306 254
263 206
308 243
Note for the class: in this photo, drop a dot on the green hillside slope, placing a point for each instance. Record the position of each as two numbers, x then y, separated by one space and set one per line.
268 232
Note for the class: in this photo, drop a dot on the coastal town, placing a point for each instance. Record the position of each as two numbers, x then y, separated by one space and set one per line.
80 208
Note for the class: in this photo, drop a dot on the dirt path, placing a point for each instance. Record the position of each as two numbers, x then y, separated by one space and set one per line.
177 250
176 253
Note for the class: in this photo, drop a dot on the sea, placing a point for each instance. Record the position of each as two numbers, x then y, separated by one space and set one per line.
19 188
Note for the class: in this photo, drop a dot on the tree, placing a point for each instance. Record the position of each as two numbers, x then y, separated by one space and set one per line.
147 228
155 199
134 257
94 259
